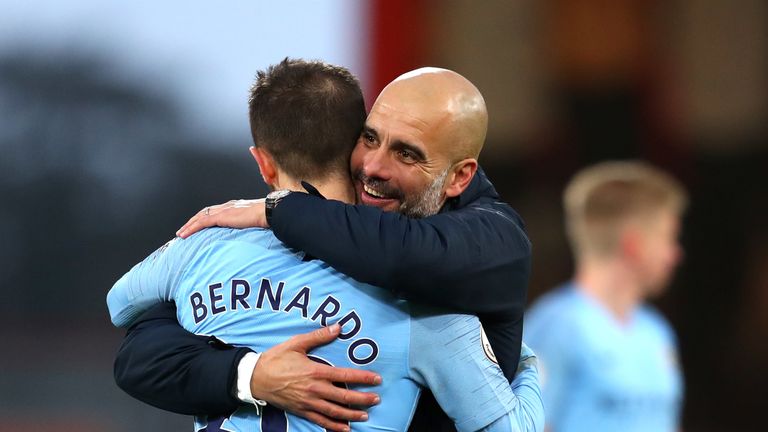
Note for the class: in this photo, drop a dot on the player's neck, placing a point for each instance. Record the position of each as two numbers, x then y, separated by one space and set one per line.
610 283
331 188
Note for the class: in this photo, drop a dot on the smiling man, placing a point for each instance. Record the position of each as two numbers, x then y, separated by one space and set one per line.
432 124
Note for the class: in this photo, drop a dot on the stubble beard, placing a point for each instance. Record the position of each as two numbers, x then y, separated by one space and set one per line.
428 202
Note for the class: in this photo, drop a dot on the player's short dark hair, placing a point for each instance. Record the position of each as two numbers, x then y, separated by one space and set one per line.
307 115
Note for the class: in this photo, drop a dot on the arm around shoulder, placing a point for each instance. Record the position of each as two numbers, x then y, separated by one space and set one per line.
475 258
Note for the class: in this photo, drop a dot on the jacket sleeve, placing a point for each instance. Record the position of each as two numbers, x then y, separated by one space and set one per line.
165 366
474 259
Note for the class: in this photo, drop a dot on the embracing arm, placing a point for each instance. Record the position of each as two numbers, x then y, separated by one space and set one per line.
165 366
475 259
162 364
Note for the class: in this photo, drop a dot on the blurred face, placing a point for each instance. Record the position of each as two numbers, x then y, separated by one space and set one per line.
660 251
397 164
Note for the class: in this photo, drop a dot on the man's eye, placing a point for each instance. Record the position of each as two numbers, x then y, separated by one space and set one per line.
369 139
407 155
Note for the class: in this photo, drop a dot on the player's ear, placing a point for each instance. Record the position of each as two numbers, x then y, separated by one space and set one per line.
459 177
266 165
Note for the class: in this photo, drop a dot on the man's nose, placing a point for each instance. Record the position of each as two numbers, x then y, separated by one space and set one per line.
378 164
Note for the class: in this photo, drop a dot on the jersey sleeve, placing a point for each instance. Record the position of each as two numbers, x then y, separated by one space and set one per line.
448 357
528 415
154 280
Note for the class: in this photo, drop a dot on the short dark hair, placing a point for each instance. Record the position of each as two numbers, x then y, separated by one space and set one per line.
307 115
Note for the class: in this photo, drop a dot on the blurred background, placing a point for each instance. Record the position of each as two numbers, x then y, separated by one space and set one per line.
117 123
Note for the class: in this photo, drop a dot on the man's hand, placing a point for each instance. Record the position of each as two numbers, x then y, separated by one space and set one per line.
286 378
232 214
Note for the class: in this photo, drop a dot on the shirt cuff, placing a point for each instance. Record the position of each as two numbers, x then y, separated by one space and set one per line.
244 373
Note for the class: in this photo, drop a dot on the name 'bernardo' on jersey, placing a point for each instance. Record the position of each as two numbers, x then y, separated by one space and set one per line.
361 351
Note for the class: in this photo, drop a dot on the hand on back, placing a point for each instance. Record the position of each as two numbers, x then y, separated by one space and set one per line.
286 378
232 214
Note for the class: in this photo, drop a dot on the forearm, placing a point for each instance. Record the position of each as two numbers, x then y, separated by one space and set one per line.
163 365
475 259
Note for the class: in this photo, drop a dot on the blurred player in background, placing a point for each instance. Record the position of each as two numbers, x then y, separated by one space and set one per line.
609 360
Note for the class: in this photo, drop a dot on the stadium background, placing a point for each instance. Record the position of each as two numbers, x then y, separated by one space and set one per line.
119 121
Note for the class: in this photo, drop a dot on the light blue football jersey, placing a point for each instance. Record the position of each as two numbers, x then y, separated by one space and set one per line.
247 289
602 375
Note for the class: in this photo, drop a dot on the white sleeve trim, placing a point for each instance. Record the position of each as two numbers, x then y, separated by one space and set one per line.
244 373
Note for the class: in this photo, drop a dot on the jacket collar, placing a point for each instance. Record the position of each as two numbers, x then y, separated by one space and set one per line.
479 187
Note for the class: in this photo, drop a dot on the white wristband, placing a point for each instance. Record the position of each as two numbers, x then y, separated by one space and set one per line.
244 374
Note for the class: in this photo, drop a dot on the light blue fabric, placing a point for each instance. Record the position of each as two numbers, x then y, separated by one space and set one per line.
602 375
247 289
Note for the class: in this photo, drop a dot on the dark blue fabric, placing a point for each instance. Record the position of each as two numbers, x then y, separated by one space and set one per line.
162 364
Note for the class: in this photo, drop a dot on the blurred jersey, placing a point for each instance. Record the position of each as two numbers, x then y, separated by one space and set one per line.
246 288
602 375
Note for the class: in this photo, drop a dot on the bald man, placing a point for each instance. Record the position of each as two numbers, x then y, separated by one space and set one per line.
420 143
416 155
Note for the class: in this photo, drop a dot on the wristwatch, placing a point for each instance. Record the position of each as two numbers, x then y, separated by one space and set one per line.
272 200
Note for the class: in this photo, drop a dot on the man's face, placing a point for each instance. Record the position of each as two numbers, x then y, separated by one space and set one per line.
661 251
399 163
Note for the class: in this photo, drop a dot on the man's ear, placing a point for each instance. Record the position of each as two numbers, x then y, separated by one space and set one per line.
266 165
459 177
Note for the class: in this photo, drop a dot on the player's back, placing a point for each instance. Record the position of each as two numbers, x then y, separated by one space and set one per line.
599 374
247 289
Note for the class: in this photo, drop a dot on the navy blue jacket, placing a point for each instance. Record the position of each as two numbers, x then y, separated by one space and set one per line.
473 257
